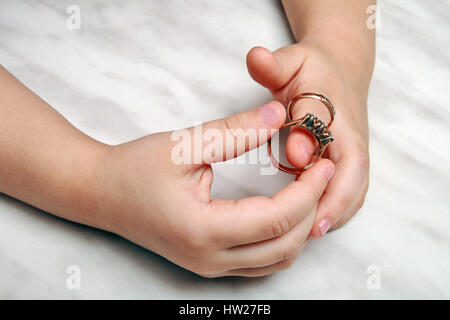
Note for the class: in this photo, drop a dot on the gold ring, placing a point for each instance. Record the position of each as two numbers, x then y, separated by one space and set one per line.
319 97
312 124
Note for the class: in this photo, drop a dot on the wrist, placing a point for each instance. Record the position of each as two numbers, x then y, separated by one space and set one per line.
353 55
120 186
84 201
108 194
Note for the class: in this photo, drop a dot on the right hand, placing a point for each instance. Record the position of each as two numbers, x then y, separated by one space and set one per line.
142 195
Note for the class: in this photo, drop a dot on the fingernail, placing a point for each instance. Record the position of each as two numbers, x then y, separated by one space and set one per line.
324 226
330 173
270 113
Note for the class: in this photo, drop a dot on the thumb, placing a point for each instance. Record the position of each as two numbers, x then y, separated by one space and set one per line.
308 187
230 137
301 144
273 70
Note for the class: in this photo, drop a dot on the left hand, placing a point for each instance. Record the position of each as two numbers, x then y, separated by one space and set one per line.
306 67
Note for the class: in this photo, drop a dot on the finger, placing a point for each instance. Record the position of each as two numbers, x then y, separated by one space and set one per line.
266 270
345 192
301 144
259 218
271 251
227 138
273 70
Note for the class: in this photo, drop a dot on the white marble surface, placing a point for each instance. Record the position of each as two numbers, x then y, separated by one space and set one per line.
137 67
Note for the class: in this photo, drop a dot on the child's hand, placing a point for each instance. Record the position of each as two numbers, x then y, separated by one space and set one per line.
306 67
140 194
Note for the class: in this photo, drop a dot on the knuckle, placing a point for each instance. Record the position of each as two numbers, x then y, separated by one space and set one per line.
281 223
286 264
289 252
197 243
344 201
231 122
194 238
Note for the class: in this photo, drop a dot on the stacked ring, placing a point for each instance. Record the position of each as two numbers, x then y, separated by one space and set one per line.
312 124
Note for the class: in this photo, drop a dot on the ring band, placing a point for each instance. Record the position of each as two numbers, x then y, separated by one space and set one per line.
312 124
319 97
